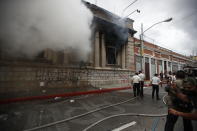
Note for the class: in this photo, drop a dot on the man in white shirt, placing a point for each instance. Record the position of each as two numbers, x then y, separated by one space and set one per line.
173 77
136 84
155 86
142 77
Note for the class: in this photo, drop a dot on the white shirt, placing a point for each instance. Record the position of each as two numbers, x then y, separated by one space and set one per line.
142 76
136 79
155 80
173 78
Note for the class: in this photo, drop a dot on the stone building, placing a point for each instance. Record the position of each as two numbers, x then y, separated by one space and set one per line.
111 60
112 43
157 59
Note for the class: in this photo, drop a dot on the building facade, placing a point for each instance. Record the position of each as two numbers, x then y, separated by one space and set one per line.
156 59
110 61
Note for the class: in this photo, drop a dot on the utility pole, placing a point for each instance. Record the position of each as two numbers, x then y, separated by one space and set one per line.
142 39
141 47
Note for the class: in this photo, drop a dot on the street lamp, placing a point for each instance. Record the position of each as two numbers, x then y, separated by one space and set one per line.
141 37
127 7
138 11
167 20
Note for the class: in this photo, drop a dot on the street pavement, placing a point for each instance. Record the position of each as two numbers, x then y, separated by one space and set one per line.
78 113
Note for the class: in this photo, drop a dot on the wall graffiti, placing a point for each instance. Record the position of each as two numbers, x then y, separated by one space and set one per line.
63 76
15 78
57 75
75 75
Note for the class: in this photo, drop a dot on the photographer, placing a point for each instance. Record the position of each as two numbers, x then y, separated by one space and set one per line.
177 102
191 88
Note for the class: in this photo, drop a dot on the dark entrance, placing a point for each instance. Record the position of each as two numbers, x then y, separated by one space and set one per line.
147 71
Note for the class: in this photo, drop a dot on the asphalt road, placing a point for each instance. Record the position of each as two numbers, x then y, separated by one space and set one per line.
79 113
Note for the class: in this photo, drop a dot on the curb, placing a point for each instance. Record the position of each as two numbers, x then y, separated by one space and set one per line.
13 100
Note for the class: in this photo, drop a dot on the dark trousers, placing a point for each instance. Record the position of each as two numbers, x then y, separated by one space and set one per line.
141 88
161 82
136 87
155 88
171 120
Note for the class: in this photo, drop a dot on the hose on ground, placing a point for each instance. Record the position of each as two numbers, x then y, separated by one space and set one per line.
164 99
127 114
78 116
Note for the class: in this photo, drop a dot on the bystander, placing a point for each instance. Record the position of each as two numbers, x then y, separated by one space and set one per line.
136 84
142 77
155 86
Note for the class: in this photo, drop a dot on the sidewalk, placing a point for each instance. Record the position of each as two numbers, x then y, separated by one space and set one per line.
48 93
114 86
146 84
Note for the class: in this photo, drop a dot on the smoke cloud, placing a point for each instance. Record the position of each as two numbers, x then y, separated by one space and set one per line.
29 26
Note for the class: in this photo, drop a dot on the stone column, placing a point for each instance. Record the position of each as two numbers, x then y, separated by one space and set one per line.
179 66
90 60
103 51
167 62
156 64
119 58
170 67
163 66
96 50
130 57
123 56
150 69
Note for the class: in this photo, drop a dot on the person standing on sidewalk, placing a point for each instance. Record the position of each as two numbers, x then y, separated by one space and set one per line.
136 84
173 77
142 77
169 78
155 86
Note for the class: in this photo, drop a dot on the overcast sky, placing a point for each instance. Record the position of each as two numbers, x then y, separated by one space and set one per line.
180 35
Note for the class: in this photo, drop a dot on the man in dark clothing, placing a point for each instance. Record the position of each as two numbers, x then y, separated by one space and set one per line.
155 81
191 88
142 77
179 98
192 115
136 84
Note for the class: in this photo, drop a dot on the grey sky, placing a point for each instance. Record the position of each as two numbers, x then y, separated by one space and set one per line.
178 35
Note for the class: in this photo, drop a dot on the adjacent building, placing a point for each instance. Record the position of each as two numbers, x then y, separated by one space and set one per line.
156 59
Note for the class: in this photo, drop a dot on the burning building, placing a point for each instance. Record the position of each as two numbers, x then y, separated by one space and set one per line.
110 60
110 40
